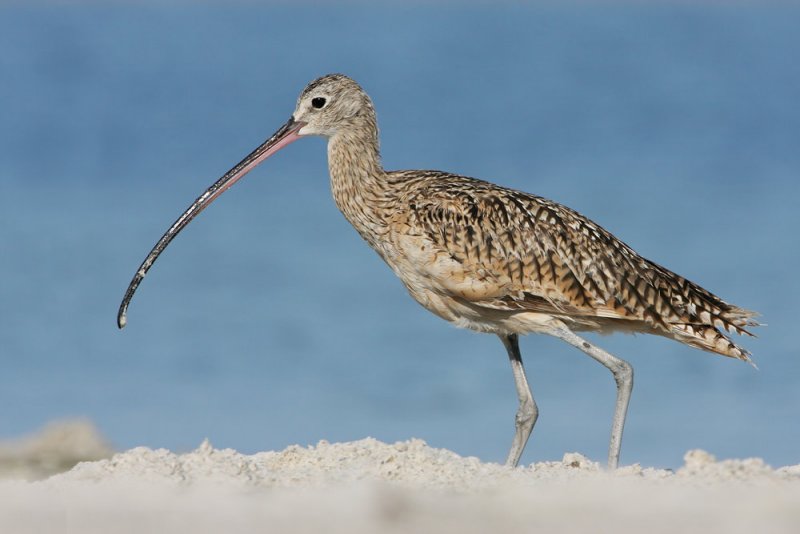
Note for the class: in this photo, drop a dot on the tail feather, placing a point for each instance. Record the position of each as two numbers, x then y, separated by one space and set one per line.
705 319
709 338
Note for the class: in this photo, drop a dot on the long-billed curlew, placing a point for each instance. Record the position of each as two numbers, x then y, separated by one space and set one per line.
489 258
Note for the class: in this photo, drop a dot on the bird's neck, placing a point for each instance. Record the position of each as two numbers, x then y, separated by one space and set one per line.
358 181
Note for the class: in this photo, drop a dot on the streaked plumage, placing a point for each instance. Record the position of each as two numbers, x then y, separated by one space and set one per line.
490 258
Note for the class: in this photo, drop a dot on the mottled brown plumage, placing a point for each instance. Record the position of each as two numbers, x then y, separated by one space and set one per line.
490 258
502 252
532 254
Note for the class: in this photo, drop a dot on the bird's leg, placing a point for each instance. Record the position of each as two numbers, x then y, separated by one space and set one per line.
527 412
623 375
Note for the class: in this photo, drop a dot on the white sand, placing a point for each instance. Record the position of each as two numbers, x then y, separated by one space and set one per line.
369 486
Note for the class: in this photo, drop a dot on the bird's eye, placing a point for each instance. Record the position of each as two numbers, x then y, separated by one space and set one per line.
318 102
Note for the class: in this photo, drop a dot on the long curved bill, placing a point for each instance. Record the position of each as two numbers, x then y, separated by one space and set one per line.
285 135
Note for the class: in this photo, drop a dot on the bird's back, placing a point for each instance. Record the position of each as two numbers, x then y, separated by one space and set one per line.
505 253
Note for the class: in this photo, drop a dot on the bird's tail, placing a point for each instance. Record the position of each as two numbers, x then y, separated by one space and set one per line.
714 337
704 320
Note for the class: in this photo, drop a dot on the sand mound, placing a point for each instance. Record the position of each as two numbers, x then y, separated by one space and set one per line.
53 449
410 464
369 486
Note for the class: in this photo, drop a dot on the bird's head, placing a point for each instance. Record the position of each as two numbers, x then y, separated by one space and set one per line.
331 104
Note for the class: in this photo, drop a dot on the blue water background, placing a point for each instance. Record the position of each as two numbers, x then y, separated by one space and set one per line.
269 322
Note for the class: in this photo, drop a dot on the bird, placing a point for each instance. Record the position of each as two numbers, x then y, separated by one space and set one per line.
489 258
